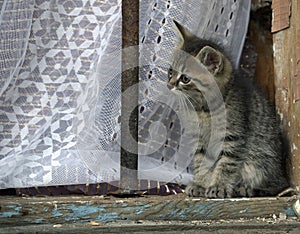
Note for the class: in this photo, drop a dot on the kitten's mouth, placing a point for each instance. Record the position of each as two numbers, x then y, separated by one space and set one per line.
185 99
199 102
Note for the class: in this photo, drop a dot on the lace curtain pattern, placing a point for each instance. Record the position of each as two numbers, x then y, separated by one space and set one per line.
60 85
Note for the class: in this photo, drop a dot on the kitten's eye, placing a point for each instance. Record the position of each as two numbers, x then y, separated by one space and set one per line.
184 79
170 73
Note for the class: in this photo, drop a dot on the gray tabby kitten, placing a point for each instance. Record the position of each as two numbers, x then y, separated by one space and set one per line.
250 161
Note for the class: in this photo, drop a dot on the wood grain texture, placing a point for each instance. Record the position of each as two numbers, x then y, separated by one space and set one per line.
62 210
287 82
228 227
281 14
262 39
129 116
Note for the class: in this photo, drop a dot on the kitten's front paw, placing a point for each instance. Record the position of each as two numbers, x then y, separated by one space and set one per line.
218 191
194 190
244 191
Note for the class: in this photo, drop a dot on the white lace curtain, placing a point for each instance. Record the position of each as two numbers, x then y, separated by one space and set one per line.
60 65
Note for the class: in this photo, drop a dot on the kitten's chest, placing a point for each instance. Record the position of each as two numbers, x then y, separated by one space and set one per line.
204 120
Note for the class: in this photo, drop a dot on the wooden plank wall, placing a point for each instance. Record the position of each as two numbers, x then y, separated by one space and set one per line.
259 34
286 47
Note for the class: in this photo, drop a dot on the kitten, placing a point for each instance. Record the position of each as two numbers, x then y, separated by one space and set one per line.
249 162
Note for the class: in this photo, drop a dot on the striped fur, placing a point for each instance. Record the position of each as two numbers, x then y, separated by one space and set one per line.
250 162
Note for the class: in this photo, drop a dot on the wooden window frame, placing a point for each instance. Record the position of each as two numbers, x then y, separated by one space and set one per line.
172 213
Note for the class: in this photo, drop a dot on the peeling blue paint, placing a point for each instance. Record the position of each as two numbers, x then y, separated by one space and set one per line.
142 209
15 212
176 213
79 212
85 210
281 38
17 208
56 213
40 220
108 217
9 214
173 213
289 211
182 214
202 208
105 212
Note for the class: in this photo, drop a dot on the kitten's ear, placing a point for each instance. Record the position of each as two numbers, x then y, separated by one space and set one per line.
211 59
183 33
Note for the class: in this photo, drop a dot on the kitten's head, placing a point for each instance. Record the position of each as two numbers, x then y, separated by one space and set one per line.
204 66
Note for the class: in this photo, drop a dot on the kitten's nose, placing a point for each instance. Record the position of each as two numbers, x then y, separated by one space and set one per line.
170 86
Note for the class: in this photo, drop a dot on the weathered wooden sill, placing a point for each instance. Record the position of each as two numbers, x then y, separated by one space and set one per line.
101 213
